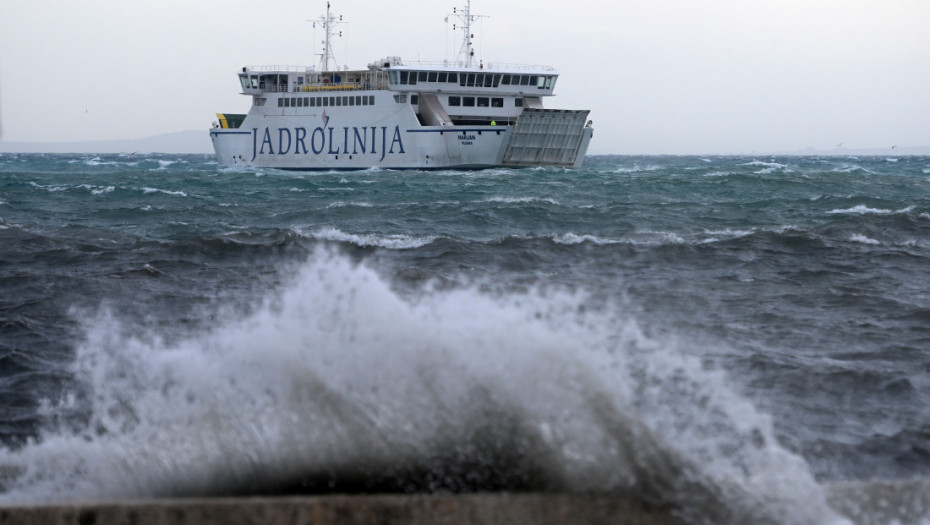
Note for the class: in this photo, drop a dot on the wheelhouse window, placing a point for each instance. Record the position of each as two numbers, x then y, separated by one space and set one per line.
432 76
442 77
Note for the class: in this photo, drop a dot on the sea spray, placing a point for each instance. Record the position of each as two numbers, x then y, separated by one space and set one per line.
339 383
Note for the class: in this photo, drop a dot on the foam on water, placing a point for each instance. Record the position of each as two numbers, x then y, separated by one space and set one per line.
342 204
338 381
523 200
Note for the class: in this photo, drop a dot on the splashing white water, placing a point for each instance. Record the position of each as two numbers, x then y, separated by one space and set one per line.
339 377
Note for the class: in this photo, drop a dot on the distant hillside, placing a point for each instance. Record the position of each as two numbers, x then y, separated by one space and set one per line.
180 142
866 152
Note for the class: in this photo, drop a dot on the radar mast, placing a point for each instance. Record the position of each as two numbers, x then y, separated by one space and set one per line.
466 55
329 22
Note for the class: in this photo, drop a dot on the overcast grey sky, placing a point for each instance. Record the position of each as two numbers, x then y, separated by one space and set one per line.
660 76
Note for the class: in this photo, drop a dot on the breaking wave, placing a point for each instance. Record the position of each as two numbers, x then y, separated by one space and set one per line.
339 383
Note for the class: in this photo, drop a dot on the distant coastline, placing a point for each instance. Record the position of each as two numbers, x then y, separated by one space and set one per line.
865 152
198 141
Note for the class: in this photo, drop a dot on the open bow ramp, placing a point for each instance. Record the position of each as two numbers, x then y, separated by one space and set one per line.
548 137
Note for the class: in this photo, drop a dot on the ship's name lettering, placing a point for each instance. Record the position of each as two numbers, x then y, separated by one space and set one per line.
365 140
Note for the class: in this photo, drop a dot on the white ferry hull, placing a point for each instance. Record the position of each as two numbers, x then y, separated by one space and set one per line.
356 138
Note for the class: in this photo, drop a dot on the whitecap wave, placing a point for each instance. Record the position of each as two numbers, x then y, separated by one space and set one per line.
768 167
857 237
862 209
97 190
51 188
166 192
637 169
389 241
573 238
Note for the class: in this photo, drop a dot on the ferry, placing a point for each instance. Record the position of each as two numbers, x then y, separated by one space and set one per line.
461 114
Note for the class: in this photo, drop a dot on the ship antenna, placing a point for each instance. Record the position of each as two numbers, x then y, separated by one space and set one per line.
329 22
466 56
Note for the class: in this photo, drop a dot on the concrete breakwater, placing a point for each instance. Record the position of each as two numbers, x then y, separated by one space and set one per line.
484 509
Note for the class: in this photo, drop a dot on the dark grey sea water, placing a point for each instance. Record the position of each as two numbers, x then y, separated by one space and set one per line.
746 339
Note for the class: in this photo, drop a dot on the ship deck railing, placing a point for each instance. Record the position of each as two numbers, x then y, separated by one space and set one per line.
343 86
313 88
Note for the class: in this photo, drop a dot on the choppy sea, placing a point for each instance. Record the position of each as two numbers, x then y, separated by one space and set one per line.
744 339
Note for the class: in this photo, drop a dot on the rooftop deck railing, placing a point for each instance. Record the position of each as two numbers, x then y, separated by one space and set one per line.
493 66
438 64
